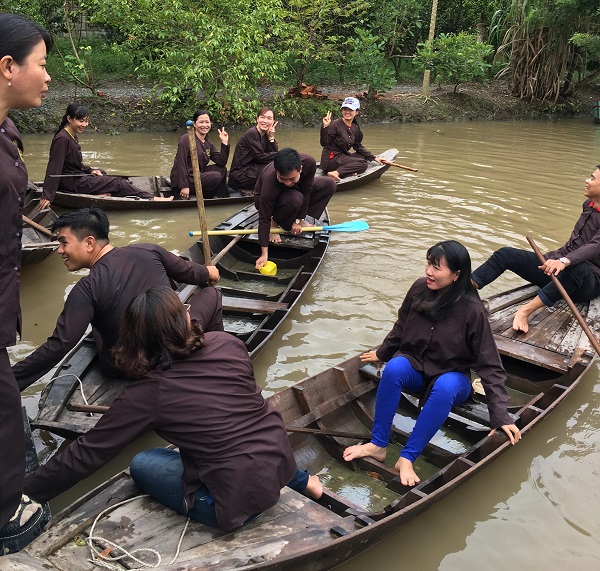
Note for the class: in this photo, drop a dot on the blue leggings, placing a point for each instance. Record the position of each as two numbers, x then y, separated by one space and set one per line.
448 390
158 472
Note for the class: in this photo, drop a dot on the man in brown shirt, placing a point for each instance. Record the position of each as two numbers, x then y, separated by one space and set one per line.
576 265
116 276
286 192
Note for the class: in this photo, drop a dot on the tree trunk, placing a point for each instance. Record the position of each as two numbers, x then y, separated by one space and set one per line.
427 74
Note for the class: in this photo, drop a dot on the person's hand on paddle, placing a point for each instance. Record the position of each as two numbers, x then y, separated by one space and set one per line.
296 228
184 193
513 433
381 161
223 135
213 274
327 119
44 203
552 267
271 132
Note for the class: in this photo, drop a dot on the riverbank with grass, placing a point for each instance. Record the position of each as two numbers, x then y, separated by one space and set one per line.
124 105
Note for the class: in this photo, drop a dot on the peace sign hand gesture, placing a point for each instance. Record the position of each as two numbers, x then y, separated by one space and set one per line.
327 119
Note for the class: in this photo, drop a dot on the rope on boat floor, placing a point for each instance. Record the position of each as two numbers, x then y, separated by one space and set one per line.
103 559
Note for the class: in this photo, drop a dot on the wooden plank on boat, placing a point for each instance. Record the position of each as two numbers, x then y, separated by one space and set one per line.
531 354
245 305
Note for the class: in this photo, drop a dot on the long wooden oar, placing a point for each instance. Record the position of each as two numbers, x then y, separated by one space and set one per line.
352 226
37 226
392 164
199 197
568 299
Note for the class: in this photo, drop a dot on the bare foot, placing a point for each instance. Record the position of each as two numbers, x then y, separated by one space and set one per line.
363 450
408 476
162 198
314 488
335 175
275 238
520 321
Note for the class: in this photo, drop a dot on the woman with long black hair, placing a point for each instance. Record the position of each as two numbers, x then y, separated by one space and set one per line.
442 332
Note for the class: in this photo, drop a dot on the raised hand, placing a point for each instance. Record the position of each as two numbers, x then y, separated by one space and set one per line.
327 119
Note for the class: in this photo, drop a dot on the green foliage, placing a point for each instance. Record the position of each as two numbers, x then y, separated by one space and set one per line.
588 42
454 58
366 62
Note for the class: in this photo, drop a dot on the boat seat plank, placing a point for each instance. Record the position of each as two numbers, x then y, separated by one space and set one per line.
251 305
514 296
531 354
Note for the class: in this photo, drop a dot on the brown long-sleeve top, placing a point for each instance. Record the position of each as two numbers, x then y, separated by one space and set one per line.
338 139
13 184
252 152
182 173
584 243
65 158
101 299
268 188
209 406
461 341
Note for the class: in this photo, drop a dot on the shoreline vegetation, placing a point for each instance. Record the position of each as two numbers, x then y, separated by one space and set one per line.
127 106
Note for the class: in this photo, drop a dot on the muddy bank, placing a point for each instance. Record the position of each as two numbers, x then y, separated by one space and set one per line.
129 107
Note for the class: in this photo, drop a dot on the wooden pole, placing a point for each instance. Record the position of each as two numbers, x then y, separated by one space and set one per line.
199 196
399 166
37 226
568 299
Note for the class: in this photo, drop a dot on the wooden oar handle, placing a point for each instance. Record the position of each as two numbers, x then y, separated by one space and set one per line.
568 299
37 226
399 166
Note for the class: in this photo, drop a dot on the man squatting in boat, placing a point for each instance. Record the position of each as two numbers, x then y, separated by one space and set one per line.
576 264
116 276
286 192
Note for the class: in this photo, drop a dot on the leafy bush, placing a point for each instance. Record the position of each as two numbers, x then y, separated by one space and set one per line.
454 58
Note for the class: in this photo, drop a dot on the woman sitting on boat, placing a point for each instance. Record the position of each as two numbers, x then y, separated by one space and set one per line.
254 151
338 138
213 177
198 392
442 332
66 171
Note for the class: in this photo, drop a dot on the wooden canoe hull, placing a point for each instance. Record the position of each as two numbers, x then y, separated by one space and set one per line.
301 534
160 186
254 306
35 245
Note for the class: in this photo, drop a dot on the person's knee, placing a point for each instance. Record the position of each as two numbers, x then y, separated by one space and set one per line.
397 367
449 387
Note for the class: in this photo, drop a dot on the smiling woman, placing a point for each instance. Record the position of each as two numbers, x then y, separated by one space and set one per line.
23 83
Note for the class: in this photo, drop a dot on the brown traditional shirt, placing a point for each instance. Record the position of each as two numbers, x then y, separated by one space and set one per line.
338 138
209 406
13 184
461 341
268 188
182 173
252 153
584 243
101 299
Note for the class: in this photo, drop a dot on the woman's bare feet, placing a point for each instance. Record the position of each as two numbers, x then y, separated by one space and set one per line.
314 488
408 476
363 450
335 175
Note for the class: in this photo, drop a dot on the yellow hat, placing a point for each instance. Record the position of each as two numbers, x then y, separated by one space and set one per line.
269 269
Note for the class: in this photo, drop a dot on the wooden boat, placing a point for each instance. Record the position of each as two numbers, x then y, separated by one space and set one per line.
254 306
36 244
364 501
161 186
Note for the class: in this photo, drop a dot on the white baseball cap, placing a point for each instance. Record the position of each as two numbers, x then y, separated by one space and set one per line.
351 103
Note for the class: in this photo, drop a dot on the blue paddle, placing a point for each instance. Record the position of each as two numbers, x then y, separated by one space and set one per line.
352 226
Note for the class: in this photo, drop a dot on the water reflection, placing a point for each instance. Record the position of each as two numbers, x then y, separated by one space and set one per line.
485 184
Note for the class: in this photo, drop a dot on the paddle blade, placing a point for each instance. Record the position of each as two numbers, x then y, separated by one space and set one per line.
352 226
